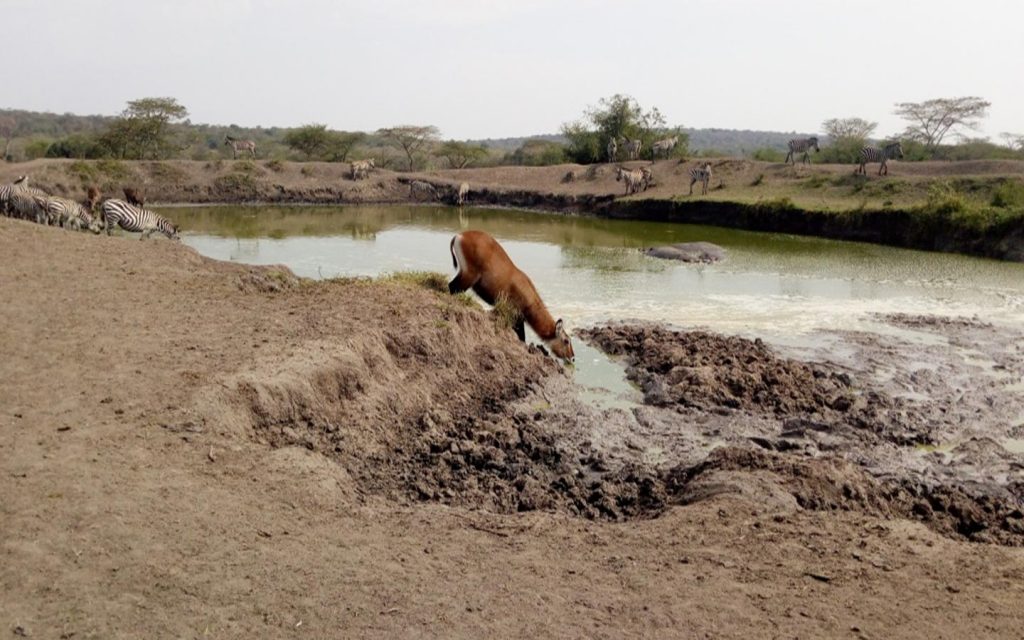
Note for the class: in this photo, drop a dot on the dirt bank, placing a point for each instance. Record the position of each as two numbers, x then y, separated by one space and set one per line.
821 200
197 448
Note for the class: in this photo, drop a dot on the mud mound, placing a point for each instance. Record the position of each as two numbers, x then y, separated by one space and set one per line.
829 485
420 411
696 370
707 371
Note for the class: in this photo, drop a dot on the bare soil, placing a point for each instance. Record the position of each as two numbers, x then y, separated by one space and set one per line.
191 448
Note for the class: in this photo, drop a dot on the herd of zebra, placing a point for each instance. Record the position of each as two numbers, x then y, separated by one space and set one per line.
19 200
867 154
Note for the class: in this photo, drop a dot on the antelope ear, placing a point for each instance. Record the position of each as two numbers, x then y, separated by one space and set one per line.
558 326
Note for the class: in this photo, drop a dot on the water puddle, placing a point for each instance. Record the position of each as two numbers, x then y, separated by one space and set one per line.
602 380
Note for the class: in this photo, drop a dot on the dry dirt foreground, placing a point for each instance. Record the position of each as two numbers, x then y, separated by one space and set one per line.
194 449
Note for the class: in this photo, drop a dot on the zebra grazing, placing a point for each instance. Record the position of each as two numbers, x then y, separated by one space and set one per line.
362 168
613 150
460 195
664 147
702 174
240 145
7 192
634 179
419 189
633 148
70 214
136 219
874 154
802 145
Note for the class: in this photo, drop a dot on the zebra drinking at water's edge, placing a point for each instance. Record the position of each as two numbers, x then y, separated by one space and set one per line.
802 145
240 145
873 154
136 219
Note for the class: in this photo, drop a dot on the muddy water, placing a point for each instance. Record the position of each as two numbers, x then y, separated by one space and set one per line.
783 288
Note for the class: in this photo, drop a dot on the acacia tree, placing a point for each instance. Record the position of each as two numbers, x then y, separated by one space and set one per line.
848 128
614 118
931 120
848 136
411 138
460 154
1014 141
144 129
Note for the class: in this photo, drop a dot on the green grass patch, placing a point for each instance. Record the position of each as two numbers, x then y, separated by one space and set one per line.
275 165
1008 195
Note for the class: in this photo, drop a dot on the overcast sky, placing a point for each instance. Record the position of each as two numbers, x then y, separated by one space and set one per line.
479 68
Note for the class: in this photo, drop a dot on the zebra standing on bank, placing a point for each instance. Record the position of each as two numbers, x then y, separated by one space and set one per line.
702 174
613 150
663 147
874 154
633 148
7 192
634 179
802 145
240 145
24 202
136 219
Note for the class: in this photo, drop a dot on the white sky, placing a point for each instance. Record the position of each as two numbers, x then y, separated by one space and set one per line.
496 68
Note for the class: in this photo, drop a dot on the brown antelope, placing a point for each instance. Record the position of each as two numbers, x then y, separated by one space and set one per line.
485 267
133 197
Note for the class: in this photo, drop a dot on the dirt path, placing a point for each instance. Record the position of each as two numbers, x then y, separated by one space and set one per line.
198 449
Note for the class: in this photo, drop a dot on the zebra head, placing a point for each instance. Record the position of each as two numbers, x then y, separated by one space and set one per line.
896 149
22 179
812 143
228 139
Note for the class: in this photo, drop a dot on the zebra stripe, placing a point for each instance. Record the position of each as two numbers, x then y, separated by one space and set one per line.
883 155
362 168
633 148
240 145
136 219
25 203
634 179
613 150
802 145
7 193
702 174
664 147
71 215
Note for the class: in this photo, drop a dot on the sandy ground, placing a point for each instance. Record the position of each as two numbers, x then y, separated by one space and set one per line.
198 449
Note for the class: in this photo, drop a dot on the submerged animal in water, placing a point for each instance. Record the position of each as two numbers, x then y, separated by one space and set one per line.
484 267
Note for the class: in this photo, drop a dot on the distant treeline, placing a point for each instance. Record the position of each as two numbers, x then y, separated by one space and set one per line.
26 135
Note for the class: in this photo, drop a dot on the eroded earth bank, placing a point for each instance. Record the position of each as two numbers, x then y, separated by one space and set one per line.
192 448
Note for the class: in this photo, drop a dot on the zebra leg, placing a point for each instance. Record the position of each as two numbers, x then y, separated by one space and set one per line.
788 156
692 180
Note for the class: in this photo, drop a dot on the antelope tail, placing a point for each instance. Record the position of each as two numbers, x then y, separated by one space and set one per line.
451 247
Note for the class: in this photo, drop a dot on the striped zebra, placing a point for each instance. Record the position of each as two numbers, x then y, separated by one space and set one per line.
612 149
419 189
634 179
633 148
874 154
7 192
702 174
237 145
648 176
802 145
664 147
24 203
136 219
69 214
362 168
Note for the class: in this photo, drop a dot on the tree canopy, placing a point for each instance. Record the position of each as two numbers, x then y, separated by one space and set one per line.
931 120
412 139
615 118
460 154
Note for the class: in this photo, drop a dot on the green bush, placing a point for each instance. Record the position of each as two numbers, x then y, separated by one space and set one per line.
1008 195
944 199
275 165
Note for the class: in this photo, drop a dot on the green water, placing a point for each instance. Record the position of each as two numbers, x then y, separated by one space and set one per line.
590 270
